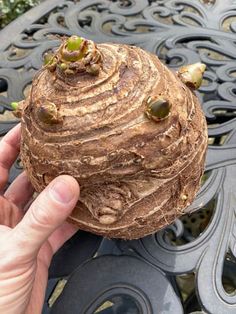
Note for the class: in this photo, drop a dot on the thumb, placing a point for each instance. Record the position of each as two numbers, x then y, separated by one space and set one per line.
46 214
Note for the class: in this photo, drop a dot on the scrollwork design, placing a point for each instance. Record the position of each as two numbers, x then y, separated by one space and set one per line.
179 32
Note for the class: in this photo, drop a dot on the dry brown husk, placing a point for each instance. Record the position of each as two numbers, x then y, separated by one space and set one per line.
136 174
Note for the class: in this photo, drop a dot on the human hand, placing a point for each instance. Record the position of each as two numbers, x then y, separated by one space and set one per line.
29 239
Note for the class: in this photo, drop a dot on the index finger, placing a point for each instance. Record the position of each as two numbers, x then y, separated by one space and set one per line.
9 150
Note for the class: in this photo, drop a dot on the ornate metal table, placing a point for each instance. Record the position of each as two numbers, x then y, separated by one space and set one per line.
190 266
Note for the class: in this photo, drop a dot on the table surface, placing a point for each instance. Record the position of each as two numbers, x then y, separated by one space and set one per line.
190 266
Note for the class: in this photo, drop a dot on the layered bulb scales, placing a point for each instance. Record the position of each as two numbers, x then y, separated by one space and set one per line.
131 132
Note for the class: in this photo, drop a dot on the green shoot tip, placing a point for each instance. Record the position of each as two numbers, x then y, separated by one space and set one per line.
14 105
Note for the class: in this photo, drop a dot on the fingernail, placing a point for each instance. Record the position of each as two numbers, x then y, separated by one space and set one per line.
61 192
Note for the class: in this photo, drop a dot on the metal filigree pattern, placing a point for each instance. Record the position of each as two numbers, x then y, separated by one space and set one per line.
202 244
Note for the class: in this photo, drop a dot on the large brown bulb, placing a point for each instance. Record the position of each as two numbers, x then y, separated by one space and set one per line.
128 129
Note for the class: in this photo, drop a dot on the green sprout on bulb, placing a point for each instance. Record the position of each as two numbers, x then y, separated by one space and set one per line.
74 43
14 105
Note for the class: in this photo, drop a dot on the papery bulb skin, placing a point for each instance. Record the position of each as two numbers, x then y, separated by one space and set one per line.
127 128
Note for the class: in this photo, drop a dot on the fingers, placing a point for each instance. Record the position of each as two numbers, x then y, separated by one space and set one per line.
9 150
20 191
10 215
46 214
61 235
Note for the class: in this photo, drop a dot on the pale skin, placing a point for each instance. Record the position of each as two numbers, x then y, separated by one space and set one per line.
29 238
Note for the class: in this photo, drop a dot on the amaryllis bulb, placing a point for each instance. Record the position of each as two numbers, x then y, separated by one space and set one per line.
128 129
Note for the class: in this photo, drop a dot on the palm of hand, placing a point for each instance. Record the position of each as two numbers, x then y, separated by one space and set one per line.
24 258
